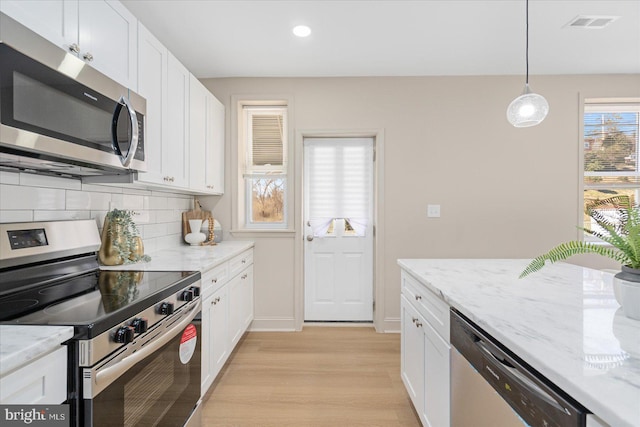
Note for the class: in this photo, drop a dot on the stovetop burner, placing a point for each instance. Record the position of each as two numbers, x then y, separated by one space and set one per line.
16 306
92 302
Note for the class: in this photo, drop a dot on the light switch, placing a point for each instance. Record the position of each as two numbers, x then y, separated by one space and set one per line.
433 211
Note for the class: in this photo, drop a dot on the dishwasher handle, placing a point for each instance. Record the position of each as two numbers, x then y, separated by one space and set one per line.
510 371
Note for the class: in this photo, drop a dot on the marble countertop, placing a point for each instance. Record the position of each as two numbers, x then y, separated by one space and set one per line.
188 258
20 344
563 321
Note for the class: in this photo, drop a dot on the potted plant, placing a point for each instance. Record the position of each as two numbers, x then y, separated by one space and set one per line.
121 241
618 225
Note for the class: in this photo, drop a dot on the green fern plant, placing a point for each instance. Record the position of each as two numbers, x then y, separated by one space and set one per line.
622 231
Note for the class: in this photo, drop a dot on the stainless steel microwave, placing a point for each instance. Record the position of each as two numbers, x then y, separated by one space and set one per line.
60 116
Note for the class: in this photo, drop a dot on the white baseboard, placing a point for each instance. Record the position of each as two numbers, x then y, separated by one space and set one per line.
273 325
389 325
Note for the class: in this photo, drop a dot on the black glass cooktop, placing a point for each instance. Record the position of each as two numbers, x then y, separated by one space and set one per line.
92 301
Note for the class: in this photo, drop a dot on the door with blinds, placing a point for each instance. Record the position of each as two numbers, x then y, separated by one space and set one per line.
338 209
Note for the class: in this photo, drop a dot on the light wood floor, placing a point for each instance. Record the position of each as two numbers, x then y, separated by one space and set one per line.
322 376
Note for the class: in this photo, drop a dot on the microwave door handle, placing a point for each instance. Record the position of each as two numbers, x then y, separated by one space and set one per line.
133 147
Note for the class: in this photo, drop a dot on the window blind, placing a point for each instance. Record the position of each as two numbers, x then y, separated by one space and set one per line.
339 177
266 129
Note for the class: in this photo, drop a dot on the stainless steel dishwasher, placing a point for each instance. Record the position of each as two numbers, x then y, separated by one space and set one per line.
492 387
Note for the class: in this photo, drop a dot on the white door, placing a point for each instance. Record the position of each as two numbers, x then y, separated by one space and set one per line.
338 206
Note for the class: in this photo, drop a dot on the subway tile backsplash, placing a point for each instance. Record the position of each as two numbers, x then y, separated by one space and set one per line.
27 197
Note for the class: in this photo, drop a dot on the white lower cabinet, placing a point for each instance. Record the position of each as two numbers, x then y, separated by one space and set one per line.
215 335
227 312
41 382
241 299
425 352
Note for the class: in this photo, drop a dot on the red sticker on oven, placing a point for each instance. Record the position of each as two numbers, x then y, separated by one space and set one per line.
188 343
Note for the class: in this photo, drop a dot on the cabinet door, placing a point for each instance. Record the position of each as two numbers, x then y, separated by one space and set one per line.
436 378
215 336
214 146
206 376
107 38
220 330
247 298
152 76
197 135
176 146
55 20
412 354
237 295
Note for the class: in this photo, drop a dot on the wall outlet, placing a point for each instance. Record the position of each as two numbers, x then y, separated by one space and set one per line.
433 211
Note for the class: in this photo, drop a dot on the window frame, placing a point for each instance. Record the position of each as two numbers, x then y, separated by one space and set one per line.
242 188
606 105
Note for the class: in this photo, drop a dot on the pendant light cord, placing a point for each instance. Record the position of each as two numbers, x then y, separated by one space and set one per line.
527 41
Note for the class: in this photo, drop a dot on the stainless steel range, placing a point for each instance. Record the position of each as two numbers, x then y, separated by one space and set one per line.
134 359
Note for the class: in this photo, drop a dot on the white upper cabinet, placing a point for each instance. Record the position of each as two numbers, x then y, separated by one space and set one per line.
206 140
107 39
164 82
55 20
101 32
152 78
176 148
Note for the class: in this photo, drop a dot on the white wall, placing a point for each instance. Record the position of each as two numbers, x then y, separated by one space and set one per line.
26 197
504 192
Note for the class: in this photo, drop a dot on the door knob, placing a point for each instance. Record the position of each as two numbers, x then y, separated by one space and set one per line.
309 237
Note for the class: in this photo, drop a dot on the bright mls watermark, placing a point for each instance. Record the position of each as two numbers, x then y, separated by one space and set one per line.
34 415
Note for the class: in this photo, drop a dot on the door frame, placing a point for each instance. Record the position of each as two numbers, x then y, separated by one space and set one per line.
378 221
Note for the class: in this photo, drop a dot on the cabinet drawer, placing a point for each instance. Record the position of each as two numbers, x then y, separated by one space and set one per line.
213 279
430 306
240 262
42 382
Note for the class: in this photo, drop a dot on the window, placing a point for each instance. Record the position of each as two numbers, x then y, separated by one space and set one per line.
611 147
264 166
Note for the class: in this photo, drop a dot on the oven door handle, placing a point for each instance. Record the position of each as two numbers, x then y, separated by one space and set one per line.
104 377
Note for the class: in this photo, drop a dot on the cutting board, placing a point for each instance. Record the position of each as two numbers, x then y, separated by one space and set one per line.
196 213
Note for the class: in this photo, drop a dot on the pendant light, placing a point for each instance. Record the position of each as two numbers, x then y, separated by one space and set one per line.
529 109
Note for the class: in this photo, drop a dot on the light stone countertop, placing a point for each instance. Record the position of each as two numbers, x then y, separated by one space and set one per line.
562 320
21 344
188 258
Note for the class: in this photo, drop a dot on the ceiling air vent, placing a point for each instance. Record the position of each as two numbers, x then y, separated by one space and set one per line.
591 22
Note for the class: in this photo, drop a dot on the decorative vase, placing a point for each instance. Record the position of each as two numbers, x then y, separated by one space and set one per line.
137 249
628 292
108 253
195 237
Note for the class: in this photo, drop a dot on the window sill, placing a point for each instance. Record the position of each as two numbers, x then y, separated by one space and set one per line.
288 233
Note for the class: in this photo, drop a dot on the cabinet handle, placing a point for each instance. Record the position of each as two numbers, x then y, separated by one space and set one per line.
244 261
418 297
218 299
214 280
74 48
414 319
88 57
418 324
244 276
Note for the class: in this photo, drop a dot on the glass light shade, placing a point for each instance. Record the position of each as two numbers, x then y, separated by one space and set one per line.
529 109
301 31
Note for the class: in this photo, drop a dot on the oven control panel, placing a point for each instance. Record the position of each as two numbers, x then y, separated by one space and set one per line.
21 239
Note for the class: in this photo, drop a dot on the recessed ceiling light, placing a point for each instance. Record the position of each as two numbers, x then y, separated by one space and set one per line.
301 31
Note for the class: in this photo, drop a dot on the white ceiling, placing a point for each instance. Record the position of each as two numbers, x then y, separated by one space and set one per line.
392 38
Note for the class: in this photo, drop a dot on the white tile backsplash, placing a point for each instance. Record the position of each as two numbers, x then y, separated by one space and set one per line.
33 180
15 216
60 215
87 200
9 178
18 197
25 197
